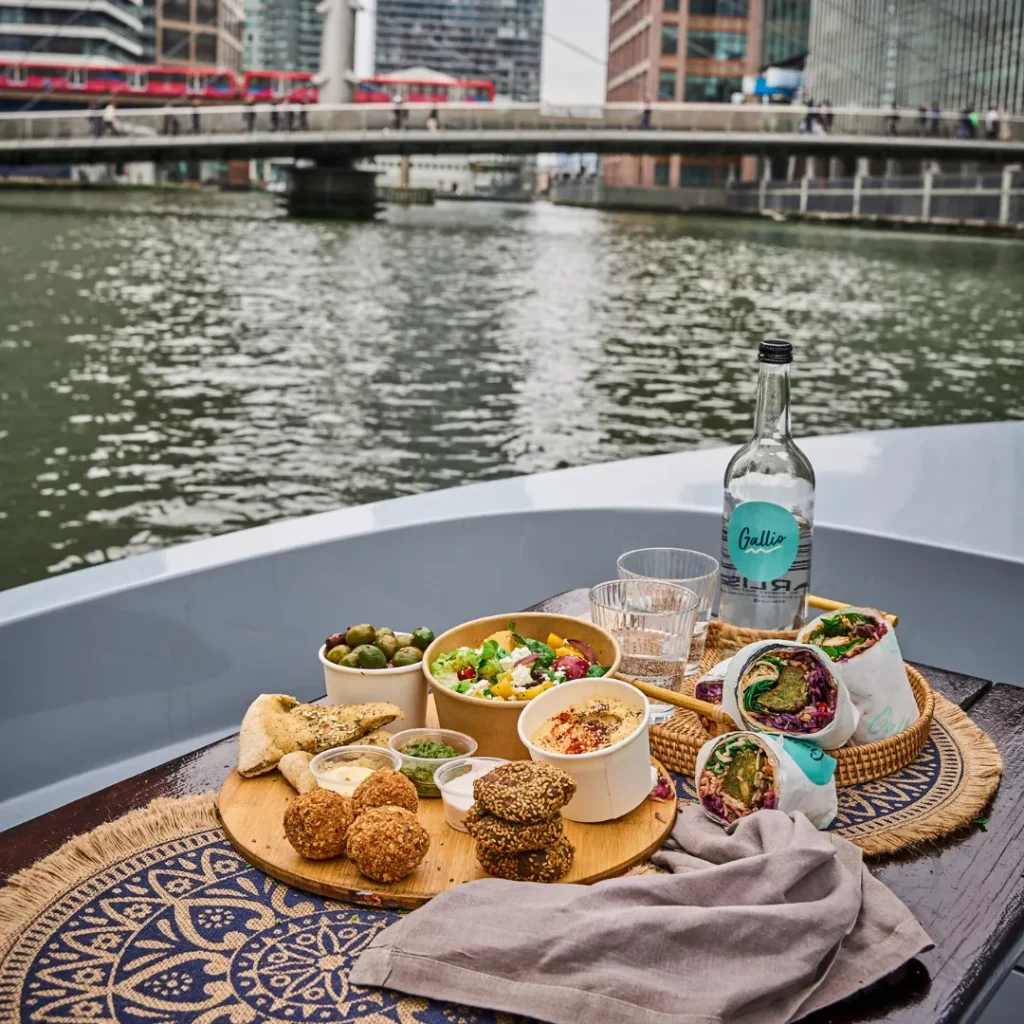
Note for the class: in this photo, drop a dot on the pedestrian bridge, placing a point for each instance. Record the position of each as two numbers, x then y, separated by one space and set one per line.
358 131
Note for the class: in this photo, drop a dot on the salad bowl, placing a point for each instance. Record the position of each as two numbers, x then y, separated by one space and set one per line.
494 723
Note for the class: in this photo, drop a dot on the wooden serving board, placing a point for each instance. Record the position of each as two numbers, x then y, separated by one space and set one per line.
252 811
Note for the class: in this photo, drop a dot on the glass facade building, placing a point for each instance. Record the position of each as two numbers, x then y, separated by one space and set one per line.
956 53
497 40
282 34
73 31
787 25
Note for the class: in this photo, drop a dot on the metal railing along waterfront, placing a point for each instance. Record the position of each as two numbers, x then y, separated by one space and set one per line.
180 122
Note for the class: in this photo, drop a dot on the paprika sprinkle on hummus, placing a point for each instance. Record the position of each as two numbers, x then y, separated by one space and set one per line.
588 726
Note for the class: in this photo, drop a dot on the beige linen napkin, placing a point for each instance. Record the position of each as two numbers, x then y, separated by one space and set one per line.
763 923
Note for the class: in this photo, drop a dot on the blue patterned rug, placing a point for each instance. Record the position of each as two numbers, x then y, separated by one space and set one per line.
154 919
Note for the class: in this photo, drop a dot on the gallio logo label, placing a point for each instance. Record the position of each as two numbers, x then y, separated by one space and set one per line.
763 540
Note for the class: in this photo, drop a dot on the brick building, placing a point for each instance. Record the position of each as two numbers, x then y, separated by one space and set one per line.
694 51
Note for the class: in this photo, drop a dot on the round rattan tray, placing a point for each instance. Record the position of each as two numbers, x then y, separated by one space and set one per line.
676 742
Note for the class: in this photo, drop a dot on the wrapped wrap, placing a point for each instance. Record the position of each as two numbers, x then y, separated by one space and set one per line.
862 644
743 772
790 688
709 688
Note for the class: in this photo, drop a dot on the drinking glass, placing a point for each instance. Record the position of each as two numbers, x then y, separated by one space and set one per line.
653 622
690 569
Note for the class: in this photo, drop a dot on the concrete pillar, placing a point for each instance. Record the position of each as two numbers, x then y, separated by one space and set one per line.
858 182
337 50
762 191
863 167
803 187
926 196
404 172
791 169
835 167
892 168
1004 194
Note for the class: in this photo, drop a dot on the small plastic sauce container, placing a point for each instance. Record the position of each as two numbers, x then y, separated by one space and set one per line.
455 780
341 769
420 770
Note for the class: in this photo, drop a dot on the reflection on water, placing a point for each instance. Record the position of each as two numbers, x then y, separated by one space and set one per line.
169 377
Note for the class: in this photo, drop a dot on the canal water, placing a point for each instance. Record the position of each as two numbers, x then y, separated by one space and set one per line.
173 367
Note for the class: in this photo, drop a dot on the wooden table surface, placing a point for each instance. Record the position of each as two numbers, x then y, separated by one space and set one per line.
966 890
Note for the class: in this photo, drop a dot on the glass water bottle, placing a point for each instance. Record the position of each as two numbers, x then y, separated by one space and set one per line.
768 512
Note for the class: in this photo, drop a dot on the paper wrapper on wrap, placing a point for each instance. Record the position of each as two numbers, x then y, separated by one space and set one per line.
805 775
877 680
835 734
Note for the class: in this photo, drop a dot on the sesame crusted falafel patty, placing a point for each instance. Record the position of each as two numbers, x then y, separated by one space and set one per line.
499 836
525 791
533 866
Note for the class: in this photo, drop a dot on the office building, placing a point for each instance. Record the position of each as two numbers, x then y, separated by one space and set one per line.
73 31
282 34
496 40
206 33
679 51
784 37
957 53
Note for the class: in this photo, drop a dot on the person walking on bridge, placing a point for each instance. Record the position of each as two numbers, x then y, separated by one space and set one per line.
170 122
992 124
197 123
249 115
111 126
933 119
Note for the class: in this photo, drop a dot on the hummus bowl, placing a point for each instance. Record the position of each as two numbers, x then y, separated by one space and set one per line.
610 781
492 723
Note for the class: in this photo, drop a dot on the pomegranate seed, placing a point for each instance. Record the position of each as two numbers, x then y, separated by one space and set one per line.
466 673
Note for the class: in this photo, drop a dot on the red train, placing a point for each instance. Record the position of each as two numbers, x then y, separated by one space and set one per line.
148 84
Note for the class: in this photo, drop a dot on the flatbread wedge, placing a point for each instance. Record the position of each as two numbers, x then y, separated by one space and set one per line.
295 768
277 724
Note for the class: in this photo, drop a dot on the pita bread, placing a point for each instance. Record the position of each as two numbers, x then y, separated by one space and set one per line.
277 724
295 768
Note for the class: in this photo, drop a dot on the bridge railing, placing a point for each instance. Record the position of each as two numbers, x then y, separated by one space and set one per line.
477 117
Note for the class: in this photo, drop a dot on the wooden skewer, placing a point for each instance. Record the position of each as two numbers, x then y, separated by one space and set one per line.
828 605
679 700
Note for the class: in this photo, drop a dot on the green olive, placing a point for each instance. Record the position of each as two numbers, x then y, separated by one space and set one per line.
407 656
351 660
370 656
335 654
404 639
422 637
363 634
388 644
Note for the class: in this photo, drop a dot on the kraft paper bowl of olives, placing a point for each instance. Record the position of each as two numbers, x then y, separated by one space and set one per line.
365 663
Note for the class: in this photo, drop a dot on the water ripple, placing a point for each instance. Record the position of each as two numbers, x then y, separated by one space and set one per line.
170 377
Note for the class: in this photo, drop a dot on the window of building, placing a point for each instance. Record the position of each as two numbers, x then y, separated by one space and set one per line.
694 176
669 40
174 45
710 88
717 45
177 10
720 8
670 6
206 47
661 171
667 85
206 12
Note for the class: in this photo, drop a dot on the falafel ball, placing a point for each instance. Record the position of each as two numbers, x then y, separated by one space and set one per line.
383 788
533 866
387 843
317 823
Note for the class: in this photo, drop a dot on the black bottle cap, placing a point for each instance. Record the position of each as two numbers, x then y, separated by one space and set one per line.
772 351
